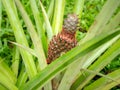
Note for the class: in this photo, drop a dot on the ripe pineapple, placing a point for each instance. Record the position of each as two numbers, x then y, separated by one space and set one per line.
65 40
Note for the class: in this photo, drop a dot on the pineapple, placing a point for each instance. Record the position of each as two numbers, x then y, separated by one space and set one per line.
65 40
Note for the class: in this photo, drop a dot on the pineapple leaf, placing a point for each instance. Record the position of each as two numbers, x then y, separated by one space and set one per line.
65 60
36 41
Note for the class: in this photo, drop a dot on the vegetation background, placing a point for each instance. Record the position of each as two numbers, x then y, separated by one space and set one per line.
27 26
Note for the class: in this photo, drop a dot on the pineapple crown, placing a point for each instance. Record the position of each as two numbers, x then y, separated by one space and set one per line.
71 23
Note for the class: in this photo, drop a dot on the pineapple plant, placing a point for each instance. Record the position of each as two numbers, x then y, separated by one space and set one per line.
65 40
28 69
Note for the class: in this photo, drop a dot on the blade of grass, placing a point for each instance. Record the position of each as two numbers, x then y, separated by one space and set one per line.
98 52
2 87
20 38
5 70
25 48
0 14
22 78
58 16
111 85
105 59
4 81
64 61
15 61
102 82
39 25
46 19
78 7
51 9
36 41
113 23
14 7
99 74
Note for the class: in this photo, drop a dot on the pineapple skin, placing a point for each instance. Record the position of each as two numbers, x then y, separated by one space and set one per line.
65 40
59 44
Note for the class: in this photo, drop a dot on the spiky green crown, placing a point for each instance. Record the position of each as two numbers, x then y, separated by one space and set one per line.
71 23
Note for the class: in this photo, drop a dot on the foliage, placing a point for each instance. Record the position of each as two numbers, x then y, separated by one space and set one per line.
30 25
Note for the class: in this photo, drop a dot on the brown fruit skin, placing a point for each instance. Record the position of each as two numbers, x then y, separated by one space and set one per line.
61 43
65 40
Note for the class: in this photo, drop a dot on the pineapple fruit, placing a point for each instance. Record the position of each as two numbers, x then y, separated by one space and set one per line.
65 40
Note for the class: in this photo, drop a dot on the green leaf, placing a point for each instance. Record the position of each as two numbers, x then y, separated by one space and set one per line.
15 61
39 24
7 77
4 81
99 22
58 16
51 9
47 23
2 87
64 61
25 48
0 14
36 41
102 19
113 23
5 70
20 37
104 83
105 59
78 7
22 78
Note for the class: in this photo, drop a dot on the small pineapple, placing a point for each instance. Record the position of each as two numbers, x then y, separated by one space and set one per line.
65 40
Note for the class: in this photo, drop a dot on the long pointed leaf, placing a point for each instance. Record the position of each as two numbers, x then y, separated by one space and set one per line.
105 59
78 7
25 48
6 71
64 61
0 14
39 25
20 37
96 26
102 19
7 77
102 82
36 41
47 23
15 61
58 16
22 78
113 23
4 81
51 9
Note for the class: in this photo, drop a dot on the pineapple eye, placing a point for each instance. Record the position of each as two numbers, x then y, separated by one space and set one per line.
71 23
65 40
